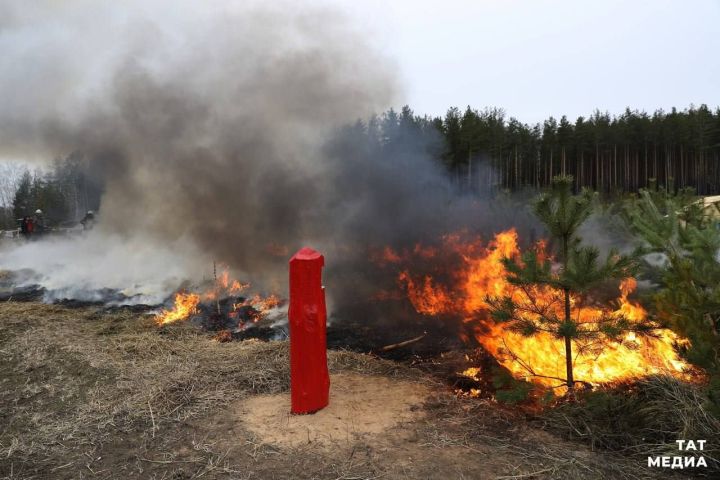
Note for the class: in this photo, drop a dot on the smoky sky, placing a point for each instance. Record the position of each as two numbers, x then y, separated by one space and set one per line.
222 123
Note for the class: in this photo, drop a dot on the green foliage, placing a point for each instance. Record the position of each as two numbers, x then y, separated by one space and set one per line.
644 418
508 389
561 211
581 271
23 202
685 235
38 192
63 193
607 153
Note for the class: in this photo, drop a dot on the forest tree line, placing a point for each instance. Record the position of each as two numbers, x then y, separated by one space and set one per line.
64 193
483 149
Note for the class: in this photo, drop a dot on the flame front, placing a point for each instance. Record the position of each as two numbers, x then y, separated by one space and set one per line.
539 358
185 306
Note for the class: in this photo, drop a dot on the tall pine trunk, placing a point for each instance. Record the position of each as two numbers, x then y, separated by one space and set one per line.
568 319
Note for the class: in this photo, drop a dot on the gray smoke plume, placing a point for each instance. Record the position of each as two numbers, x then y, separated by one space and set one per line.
218 122
103 267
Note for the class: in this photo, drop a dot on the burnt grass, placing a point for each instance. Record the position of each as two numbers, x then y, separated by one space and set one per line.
434 347
91 393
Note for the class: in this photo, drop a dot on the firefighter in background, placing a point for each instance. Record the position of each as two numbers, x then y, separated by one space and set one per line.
26 227
88 221
38 220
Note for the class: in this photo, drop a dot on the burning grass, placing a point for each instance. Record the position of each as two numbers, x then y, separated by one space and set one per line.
86 393
225 300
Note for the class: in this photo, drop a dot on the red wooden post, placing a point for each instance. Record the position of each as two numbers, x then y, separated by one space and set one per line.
309 379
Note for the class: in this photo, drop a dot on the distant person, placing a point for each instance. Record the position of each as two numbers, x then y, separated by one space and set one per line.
38 221
26 227
88 221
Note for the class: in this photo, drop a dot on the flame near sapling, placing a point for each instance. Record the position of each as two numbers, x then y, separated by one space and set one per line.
539 358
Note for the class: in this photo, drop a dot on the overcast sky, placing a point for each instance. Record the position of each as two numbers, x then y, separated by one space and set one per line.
540 57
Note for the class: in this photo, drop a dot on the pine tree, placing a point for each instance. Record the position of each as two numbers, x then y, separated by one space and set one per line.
453 138
23 201
611 153
529 310
686 234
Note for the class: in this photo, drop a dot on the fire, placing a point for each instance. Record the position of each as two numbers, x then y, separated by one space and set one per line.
428 299
472 372
540 358
185 305
267 303
223 284
387 255
259 303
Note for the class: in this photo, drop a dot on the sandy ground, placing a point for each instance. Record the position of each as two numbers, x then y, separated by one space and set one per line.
361 407
89 394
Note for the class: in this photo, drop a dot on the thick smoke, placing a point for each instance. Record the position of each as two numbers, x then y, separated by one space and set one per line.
103 267
219 124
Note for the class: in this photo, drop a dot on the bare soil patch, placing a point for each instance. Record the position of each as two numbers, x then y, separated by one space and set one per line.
361 407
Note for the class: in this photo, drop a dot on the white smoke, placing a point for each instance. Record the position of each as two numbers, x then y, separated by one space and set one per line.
99 266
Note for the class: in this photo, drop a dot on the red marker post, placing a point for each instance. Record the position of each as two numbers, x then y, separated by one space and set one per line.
309 379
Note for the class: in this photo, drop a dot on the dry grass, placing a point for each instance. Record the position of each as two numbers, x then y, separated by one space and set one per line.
87 394
526 451
77 380
644 418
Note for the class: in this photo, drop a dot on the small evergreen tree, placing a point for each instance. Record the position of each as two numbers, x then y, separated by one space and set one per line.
686 234
549 298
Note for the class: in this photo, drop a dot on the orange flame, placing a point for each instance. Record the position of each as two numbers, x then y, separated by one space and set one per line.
260 304
428 299
185 306
541 358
